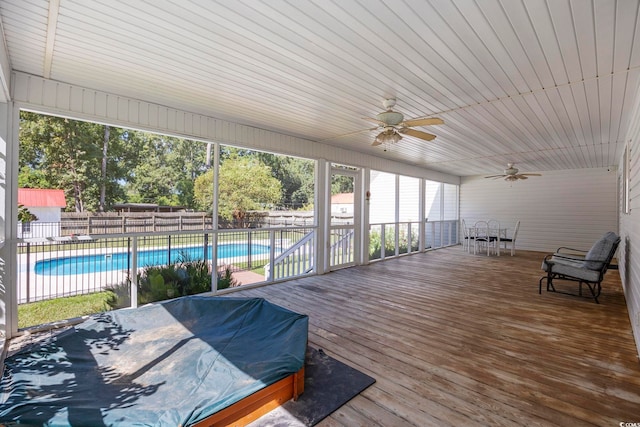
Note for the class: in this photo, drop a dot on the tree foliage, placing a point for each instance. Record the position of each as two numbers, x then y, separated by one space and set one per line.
56 152
296 177
244 184
98 166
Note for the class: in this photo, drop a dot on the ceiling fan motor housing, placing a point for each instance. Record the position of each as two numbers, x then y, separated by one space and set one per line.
390 118
511 170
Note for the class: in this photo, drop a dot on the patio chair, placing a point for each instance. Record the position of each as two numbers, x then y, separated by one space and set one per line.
585 267
466 243
512 239
482 237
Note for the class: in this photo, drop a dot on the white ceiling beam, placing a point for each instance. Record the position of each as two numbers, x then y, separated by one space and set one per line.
5 69
52 24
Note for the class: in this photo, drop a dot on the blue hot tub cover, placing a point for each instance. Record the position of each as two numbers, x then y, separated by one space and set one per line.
167 364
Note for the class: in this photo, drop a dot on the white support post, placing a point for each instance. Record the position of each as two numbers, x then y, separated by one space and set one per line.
397 225
214 219
422 226
365 227
357 217
321 207
9 129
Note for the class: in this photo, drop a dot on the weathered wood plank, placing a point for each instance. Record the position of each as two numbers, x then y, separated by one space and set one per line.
460 339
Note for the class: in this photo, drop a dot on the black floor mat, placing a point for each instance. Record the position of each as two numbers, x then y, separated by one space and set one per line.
328 385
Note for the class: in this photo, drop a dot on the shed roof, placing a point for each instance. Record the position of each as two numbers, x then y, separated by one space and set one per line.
41 198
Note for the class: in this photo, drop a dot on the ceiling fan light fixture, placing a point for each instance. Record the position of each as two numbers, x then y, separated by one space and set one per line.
388 137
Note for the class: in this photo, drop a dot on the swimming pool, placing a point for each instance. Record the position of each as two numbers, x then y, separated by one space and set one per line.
97 263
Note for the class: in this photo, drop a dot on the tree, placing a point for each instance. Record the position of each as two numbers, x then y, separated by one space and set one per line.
295 175
245 183
167 171
56 152
187 160
341 184
25 215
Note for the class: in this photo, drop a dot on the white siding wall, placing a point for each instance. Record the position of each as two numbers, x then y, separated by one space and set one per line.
382 205
629 252
46 214
560 208
58 98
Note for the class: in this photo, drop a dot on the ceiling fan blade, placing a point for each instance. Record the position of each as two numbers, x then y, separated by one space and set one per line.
494 176
417 134
376 142
423 122
531 174
521 177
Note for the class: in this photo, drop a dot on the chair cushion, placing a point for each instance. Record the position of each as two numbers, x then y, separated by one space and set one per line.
600 251
571 267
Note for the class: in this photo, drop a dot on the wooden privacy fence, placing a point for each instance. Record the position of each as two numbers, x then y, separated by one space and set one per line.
130 222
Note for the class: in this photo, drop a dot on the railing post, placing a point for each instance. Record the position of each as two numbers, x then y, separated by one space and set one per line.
169 250
272 254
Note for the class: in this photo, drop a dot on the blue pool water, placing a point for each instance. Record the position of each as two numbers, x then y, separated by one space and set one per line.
96 263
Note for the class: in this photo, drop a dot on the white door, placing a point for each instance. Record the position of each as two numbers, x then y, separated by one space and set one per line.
344 217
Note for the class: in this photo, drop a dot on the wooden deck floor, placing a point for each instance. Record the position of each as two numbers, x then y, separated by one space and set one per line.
455 339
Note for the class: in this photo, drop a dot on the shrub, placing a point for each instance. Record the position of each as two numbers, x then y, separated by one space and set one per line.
157 283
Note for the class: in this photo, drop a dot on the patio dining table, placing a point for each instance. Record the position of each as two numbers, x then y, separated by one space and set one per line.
495 234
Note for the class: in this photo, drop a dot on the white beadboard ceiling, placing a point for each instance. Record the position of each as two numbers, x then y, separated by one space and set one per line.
547 84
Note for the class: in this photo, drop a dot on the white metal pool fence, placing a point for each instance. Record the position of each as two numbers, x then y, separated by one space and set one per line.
73 265
66 266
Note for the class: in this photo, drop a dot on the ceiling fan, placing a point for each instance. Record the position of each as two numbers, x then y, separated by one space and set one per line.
393 125
511 174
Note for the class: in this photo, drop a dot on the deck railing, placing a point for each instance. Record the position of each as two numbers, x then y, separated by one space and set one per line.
341 249
388 240
296 261
72 265
65 266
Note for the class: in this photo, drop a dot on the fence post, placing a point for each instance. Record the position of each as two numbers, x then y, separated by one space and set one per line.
249 251
134 273
88 225
28 271
206 252
169 250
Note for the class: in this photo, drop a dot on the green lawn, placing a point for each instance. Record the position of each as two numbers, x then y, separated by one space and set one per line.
37 313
